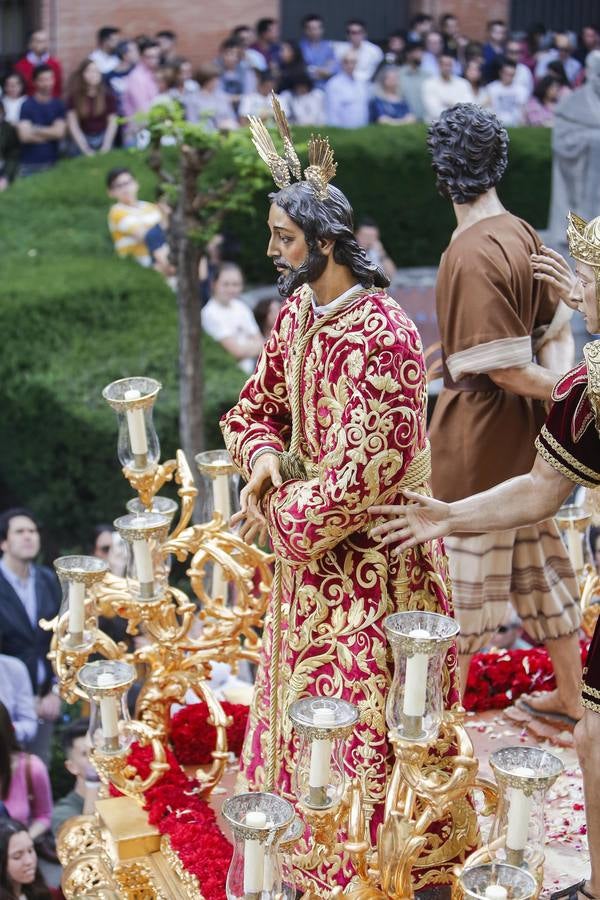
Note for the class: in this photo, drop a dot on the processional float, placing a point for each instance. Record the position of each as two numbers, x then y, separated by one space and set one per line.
434 776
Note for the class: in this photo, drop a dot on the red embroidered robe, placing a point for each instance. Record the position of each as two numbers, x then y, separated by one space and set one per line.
364 396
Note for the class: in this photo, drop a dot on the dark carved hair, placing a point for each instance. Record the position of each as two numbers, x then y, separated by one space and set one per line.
469 149
329 219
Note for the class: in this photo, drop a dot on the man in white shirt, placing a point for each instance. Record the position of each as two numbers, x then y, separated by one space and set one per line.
523 76
443 91
508 99
104 55
229 321
346 97
368 55
562 50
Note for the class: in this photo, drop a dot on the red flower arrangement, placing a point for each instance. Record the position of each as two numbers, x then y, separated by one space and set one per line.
193 739
175 806
497 679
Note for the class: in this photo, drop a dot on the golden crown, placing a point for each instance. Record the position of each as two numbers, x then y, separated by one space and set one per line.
584 239
321 165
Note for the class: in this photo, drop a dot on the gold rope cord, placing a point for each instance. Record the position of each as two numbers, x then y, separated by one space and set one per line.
292 467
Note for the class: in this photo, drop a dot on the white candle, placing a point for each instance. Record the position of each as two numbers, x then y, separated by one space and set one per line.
519 811
109 716
143 562
219 583
574 543
76 607
496 892
320 751
254 855
136 426
415 684
221 496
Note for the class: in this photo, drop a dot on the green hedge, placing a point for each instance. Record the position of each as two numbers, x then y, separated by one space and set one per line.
386 173
73 317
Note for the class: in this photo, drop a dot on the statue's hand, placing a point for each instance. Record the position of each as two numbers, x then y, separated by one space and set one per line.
551 267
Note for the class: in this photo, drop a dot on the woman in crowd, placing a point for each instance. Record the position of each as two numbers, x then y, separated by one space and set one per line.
291 66
92 112
211 106
20 878
266 312
388 107
13 97
24 782
229 321
474 75
304 104
539 109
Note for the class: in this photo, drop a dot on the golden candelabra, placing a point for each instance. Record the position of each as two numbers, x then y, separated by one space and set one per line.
429 825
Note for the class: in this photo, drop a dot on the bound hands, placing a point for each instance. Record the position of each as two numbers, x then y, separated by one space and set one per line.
265 475
421 520
551 267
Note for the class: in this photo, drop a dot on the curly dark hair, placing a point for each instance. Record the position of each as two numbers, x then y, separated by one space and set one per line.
329 219
469 150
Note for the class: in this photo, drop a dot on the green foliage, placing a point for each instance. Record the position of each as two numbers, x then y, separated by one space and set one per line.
386 173
73 318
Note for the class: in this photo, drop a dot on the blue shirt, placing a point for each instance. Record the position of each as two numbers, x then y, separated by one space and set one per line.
393 109
318 55
39 113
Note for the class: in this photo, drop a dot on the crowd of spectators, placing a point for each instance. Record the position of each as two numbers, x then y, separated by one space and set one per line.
411 76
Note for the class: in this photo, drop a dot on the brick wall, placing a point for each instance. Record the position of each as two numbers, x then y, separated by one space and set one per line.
200 25
472 14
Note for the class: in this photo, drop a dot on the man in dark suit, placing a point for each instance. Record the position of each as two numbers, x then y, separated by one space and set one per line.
28 593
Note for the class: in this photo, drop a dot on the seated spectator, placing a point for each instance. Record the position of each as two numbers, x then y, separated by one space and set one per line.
168 92
393 55
589 39
368 56
128 56
493 49
10 151
291 65
265 313
17 696
258 103
411 78
136 226
539 109
474 76
211 106
141 88
91 112
267 43
24 781
347 97
557 70
523 76
317 53
534 43
562 50
37 55
431 58
235 78
368 237
304 104
13 97
42 124
442 91
80 801
20 877
244 35
167 41
387 107
105 56
507 99
229 321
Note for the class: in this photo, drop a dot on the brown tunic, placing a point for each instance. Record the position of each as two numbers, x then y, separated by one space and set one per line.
488 307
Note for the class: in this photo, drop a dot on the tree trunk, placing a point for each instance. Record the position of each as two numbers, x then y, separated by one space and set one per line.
187 255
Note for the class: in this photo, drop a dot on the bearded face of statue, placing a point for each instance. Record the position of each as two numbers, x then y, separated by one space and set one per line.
592 71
